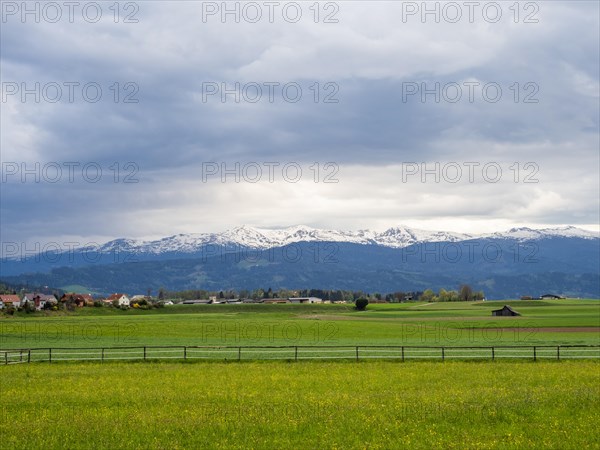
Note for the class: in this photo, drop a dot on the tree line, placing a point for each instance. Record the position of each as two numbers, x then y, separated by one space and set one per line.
463 293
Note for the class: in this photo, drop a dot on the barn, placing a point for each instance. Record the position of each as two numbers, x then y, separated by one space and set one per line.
306 300
505 311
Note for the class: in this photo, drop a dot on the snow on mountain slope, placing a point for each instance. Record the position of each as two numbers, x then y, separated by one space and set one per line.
402 237
529 233
261 238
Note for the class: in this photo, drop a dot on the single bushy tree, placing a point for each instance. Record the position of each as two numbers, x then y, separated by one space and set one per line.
361 304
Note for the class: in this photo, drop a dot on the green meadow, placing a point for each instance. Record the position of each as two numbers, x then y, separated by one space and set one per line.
375 404
557 322
304 405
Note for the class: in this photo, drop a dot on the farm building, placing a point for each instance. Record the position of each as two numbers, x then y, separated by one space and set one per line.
274 300
305 300
505 311
551 296
197 302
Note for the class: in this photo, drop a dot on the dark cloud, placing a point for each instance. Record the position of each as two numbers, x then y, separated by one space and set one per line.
370 58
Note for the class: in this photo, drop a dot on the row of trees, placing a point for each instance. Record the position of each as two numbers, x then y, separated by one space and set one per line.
464 293
334 295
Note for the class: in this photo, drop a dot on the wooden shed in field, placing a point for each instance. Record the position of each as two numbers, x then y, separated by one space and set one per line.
505 311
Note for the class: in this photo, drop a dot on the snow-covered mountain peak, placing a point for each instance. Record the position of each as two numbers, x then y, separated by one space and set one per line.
525 233
262 238
402 236
571 231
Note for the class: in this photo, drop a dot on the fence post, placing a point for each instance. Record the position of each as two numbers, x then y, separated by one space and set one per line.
558 352
357 352
296 353
144 353
403 353
49 355
443 354
102 354
239 353
28 356
184 353
493 354
6 358
534 353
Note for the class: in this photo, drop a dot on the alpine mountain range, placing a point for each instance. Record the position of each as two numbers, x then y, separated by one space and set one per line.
517 262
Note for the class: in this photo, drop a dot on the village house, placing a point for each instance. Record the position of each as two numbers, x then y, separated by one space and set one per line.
79 300
10 300
121 299
39 300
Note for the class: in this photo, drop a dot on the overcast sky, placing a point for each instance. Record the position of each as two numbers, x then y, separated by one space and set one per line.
120 121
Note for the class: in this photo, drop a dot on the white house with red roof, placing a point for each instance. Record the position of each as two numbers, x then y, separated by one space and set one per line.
122 299
9 300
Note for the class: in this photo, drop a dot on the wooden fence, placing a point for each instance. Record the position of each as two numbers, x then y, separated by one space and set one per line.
296 353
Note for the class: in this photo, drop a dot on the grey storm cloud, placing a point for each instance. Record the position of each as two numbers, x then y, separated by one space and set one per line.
370 70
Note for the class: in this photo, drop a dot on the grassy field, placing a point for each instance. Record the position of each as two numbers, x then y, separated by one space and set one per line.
308 405
305 404
542 322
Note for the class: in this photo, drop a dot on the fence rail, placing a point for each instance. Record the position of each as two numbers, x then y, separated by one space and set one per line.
297 352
